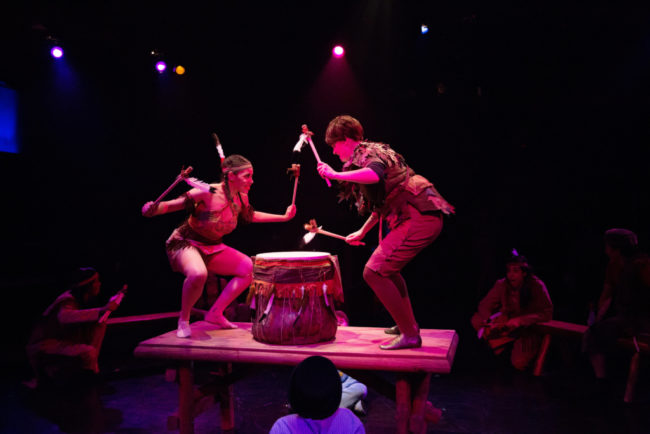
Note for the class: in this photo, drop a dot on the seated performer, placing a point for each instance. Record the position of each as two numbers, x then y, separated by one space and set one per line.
196 247
68 336
314 395
515 302
624 304
378 180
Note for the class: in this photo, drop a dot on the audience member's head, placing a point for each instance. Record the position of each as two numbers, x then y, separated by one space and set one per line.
315 388
622 240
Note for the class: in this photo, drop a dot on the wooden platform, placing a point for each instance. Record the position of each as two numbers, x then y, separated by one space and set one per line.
354 348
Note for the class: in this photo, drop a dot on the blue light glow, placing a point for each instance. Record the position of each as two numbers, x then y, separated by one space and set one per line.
8 120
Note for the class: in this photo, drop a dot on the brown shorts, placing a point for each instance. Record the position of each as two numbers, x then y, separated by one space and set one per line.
404 242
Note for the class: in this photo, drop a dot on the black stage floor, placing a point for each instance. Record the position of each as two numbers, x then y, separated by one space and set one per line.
481 395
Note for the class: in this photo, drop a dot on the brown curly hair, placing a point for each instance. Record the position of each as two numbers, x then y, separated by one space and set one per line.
341 127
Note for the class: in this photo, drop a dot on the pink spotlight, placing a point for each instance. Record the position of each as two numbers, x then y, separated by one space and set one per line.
338 51
56 52
161 66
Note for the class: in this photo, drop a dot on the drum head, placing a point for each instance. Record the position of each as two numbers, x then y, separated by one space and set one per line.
294 256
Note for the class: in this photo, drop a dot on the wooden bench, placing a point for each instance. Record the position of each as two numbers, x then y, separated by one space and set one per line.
567 329
354 349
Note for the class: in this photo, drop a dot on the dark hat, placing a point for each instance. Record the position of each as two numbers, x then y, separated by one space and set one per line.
315 388
623 239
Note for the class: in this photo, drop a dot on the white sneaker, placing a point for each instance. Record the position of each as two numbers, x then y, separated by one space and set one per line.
358 408
184 330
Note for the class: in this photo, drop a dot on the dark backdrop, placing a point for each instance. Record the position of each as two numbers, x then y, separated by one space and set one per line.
532 121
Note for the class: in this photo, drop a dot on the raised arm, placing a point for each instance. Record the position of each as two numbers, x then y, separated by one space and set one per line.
149 209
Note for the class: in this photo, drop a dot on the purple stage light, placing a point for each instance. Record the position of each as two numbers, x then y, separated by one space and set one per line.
338 51
56 52
424 29
161 66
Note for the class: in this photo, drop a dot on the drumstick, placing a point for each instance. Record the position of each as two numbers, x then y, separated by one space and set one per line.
312 228
295 190
294 171
340 237
313 148
118 300
178 179
306 136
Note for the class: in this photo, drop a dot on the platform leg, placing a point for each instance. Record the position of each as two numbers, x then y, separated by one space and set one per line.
541 356
185 397
420 386
226 399
402 403
632 377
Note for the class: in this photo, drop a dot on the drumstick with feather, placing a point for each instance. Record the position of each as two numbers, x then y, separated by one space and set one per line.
149 211
183 175
314 229
305 137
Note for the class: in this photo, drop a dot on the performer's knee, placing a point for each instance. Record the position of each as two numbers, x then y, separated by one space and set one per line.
197 277
520 361
245 268
369 275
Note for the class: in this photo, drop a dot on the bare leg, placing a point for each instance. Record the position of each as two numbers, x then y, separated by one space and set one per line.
190 263
390 295
229 262
400 283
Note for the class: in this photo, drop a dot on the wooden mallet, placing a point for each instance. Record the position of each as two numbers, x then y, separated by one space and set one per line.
294 171
314 229
306 137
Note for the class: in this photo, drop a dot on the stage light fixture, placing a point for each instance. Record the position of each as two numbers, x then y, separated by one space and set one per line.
180 70
338 51
161 66
56 52
424 29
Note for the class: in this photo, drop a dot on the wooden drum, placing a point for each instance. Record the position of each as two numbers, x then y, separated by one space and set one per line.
293 297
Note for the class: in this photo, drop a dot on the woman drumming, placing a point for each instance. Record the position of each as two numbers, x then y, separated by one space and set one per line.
196 248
